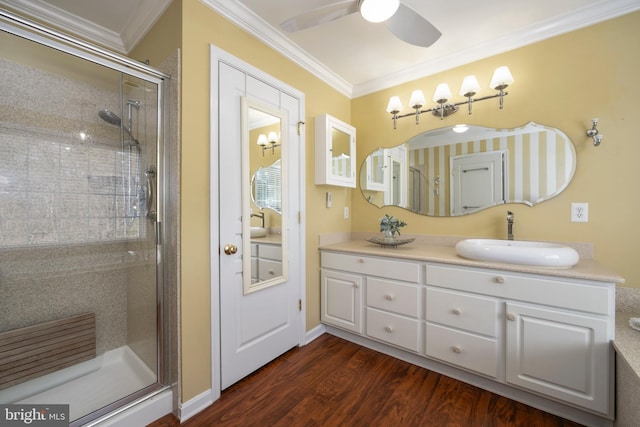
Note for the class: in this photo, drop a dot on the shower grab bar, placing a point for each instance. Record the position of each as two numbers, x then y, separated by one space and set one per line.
150 173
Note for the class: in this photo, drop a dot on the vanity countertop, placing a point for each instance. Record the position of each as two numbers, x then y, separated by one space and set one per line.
274 239
587 269
627 341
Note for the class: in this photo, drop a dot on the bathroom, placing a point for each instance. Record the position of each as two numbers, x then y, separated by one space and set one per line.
604 177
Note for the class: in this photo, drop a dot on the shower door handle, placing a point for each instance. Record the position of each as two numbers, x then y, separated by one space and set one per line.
150 173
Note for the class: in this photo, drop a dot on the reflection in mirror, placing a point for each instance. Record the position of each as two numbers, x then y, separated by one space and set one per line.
263 204
340 153
463 169
266 187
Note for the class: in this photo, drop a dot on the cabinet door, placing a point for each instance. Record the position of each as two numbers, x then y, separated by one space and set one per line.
341 302
335 152
561 355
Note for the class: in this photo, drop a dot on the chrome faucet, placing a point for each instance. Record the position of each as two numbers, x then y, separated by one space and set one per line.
509 225
261 216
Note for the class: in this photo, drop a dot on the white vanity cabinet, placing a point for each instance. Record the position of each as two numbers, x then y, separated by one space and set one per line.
335 149
557 331
266 261
390 290
543 337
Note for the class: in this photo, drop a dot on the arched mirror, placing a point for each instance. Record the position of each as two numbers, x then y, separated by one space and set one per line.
263 201
266 187
462 169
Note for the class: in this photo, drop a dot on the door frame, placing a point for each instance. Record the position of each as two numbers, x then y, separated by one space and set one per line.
217 56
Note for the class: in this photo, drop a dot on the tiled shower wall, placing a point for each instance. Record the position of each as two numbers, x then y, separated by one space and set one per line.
62 171
64 203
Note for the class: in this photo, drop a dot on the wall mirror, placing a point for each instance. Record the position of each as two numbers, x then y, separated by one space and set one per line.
458 170
263 196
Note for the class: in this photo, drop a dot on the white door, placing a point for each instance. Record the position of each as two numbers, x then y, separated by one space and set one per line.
259 326
477 181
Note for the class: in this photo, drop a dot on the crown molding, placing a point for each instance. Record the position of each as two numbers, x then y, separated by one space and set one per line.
572 21
146 14
240 15
139 23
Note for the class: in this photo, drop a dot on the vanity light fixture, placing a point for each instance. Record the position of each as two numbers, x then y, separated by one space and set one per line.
593 132
268 142
500 80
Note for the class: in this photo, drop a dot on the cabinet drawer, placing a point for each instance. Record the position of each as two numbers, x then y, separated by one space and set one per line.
270 251
381 267
572 295
469 312
393 296
397 330
473 352
269 269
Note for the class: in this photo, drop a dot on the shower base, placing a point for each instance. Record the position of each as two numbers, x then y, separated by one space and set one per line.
87 386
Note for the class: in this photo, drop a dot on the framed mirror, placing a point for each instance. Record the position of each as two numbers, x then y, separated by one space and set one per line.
458 170
264 196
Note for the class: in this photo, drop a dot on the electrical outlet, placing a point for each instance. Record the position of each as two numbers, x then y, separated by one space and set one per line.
579 212
346 212
328 199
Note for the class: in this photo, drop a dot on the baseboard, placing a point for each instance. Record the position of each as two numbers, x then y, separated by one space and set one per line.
314 333
194 406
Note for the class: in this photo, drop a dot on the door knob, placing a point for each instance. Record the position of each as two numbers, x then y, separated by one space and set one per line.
230 249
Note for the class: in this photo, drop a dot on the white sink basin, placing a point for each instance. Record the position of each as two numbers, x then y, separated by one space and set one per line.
258 231
540 254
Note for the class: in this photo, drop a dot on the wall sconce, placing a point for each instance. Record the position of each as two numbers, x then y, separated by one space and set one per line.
593 132
268 142
500 80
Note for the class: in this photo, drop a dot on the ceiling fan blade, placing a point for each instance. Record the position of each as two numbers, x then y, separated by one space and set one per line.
412 28
320 15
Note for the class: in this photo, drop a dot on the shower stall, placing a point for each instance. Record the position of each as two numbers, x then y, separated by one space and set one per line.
85 301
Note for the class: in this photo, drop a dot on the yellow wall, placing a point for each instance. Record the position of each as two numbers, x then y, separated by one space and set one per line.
556 84
198 27
551 87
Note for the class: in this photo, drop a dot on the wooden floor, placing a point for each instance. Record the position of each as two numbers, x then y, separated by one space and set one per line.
332 382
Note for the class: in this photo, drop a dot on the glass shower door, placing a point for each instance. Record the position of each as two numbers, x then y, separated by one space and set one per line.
79 268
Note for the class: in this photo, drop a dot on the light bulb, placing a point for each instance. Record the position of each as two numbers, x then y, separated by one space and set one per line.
417 99
470 86
501 78
395 105
378 10
442 93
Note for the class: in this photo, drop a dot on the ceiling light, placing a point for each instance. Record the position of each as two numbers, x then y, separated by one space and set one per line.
378 10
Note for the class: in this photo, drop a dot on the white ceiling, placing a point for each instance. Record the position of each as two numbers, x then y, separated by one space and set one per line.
354 56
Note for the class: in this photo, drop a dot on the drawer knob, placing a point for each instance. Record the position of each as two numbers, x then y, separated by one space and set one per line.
356 285
389 297
388 329
456 311
511 316
456 349
271 272
361 260
500 279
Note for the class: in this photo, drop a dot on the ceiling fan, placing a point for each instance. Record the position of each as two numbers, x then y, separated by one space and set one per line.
400 19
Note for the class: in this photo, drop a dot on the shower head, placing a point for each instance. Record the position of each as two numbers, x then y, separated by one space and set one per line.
113 119
110 117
